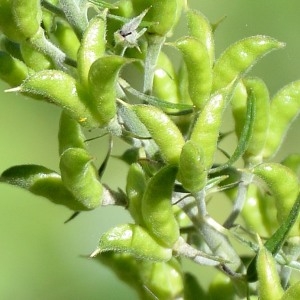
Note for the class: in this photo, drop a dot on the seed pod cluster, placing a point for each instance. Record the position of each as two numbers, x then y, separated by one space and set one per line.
82 56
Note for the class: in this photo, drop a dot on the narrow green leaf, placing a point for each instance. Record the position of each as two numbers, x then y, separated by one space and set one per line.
275 242
155 101
245 136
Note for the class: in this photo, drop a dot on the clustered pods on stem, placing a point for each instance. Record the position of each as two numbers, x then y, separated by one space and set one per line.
74 54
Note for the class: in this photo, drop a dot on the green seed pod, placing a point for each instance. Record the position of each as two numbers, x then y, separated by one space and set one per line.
28 16
199 27
207 127
283 185
292 293
260 95
42 182
183 84
20 19
163 131
125 266
199 71
157 209
239 107
70 134
79 175
285 106
12 70
48 18
238 58
221 287
103 88
181 217
164 83
184 121
192 173
163 14
124 8
92 46
276 241
292 161
61 89
10 47
269 287
66 38
134 240
259 213
162 279
135 188
34 59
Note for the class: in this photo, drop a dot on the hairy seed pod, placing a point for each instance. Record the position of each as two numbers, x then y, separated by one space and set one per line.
163 131
157 209
238 58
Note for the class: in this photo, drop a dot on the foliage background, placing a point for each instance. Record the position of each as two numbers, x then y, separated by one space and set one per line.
39 255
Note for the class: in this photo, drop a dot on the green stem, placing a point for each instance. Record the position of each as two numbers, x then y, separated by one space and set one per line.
76 14
219 245
292 252
213 234
155 43
43 45
240 199
54 9
199 257
200 200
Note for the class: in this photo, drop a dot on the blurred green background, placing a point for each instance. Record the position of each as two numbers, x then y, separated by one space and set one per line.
40 257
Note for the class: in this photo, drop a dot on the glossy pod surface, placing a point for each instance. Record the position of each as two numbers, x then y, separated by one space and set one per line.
79 175
192 173
199 70
135 188
12 70
134 240
103 88
43 182
200 28
163 131
92 45
206 130
282 183
45 83
20 19
285 106
70 134
158 10
268 278
157 209
238 58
